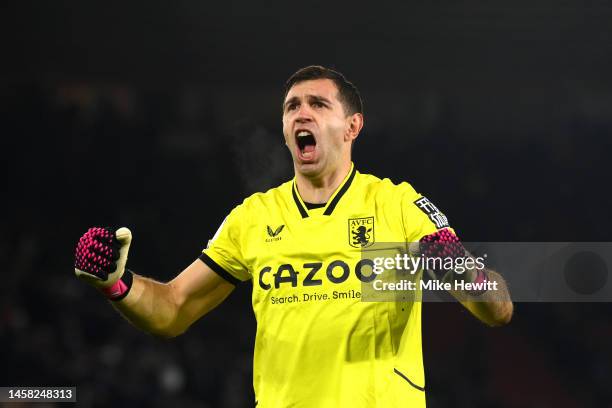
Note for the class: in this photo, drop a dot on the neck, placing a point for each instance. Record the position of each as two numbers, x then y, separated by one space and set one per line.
318 190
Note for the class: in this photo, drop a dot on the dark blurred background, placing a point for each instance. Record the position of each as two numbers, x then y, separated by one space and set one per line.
163 116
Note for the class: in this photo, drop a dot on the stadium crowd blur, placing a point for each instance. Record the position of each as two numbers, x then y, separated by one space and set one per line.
81 155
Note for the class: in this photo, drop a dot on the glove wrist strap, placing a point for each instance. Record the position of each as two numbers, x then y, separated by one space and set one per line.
121 288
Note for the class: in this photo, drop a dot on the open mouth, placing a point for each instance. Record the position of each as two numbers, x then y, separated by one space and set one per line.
306 144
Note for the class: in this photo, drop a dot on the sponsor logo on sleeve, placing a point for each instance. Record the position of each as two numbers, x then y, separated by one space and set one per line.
434 214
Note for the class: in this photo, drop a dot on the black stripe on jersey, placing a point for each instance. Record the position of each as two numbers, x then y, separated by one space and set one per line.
334 202
300 207
219 270
408 379
313 206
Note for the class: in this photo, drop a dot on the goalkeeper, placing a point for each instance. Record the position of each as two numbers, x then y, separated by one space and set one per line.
304 246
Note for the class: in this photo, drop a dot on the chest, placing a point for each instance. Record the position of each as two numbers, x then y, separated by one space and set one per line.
327 253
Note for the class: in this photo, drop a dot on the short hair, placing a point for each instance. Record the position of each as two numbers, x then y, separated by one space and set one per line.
348 94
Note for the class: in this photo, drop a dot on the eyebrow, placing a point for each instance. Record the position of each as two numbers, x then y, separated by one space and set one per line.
317 98
314 98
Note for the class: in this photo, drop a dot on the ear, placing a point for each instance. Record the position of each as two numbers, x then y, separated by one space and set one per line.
355 123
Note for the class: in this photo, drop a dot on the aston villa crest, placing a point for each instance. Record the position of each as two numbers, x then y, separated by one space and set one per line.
361 232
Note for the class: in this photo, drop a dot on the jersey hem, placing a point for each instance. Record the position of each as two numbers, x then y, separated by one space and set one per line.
398 372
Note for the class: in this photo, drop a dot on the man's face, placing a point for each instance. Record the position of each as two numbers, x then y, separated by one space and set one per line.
316 127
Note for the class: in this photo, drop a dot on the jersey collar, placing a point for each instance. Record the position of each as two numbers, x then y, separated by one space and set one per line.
334 199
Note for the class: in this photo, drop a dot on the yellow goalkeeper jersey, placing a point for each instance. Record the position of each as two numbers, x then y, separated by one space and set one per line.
318 344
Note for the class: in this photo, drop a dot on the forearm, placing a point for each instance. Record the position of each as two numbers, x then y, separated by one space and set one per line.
493 306
151 306
163 309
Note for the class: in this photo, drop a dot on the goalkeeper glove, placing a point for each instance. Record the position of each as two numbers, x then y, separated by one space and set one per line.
100 260
443 246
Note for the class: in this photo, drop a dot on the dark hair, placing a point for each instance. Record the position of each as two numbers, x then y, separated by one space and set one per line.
348 94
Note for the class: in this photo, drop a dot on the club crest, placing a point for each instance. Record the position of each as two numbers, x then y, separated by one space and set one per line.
361 232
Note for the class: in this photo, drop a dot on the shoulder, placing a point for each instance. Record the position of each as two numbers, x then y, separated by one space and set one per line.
265 200
386 188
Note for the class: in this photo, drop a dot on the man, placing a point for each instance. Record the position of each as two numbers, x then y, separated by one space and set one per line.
304 247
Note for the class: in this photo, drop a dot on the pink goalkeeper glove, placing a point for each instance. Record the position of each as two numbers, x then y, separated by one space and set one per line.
445 245
100 260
